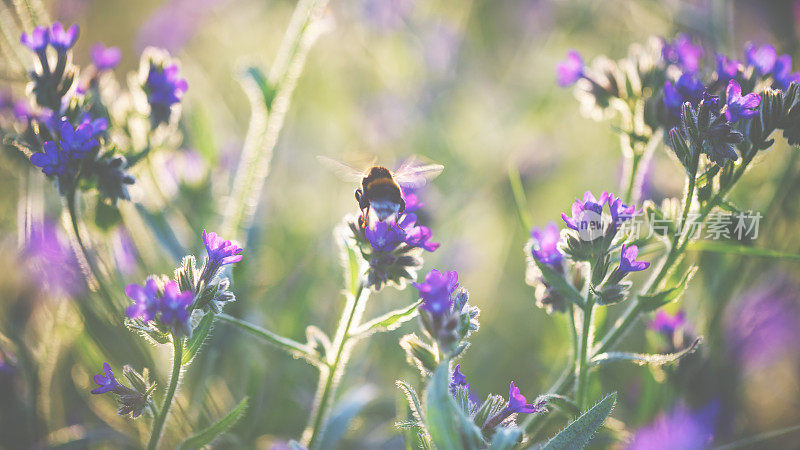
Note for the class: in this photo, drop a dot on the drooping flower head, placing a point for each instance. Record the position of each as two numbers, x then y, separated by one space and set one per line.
679 429
437 290
63 39
683 53
738 106
570 70
666 323
762 57
544 244
106 381
37 40
105 58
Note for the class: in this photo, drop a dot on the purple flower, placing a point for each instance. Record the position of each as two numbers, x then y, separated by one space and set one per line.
173 308
105 58
37 40
437 290
80 141
107 382
385 236
666 323
53 161
517 403
417 235
627 260
146 302
98 126
570 70
722 136
761 57
726 68
458 379
679 429
683 53
220 251
764 324
164 87
782 72
61 39
738 106
545 244
620 212
687 89
579 219
412 200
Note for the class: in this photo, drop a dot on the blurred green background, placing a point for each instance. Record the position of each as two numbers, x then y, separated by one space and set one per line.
466 83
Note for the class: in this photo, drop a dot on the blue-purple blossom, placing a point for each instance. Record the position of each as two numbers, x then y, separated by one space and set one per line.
146 303
544 244
666 323
61 39
387 236
679 429
458 379
80 141
738 106
763 325
589 203
627 260
782 72
105 58
437 290
761 57
570 70
106 381
683 53
620 212
220 251
688 88
726 68
53 161
173 308
413 203
37 40
164 88
517 403
721 138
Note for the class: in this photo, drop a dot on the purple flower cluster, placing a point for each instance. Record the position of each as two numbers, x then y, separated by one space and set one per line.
688 88
56 36
683 53
169 307
220 253
105 381
517 404
387 236
666 323
738 106
619 211
62 158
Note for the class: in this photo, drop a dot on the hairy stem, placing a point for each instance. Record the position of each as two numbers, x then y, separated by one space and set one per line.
161 418
582 360
331 374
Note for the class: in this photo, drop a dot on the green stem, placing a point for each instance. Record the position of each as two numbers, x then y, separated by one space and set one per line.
331 374
161 418
293 347
582 361
631 171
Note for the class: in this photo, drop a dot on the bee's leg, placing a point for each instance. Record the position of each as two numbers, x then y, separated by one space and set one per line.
361 199
362 219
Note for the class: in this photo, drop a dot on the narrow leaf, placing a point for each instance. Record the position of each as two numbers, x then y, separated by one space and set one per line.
291 346
651 302
441 411
578 433
758 439
565 404
199 335
389 321
207 435
724 247
644 358
519 197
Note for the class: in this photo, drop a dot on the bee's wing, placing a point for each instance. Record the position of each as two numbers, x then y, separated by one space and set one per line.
344 171
414 174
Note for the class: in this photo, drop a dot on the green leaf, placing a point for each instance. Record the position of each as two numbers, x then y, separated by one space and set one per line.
199 335
389 321
268 91
758 439
291 346
448 426
342 414
578 433
725 247
645 358
106 216
352 266
207 435
560 284
505 438
651 302
519 197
